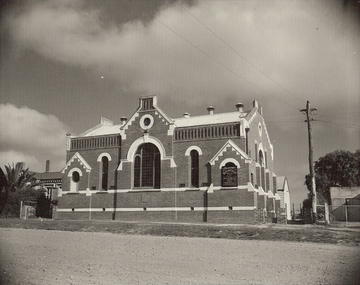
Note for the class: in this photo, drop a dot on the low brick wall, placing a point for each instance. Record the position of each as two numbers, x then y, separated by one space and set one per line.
222 206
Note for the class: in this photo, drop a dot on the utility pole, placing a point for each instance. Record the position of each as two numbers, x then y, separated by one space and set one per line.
308 111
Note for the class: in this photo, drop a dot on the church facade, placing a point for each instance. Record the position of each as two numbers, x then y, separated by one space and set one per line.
210 168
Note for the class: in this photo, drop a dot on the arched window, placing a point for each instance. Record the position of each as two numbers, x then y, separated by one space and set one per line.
262 169
229 175
74 176
261 158
104 174
194 168
147 166
256 152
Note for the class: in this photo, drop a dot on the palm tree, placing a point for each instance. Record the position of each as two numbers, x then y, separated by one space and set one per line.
16 179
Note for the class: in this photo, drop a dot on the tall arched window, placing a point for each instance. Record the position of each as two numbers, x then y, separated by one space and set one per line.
104 174
194 168
261 158
262 169
147 166
229 175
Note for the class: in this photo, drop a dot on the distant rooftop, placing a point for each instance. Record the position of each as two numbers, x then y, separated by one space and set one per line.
48 175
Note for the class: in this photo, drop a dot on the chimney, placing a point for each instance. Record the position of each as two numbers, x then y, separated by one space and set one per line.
239 107
186 115
123 121
47 166
211 110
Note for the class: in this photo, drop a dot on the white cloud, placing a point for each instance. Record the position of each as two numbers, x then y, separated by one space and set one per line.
306 55
31 137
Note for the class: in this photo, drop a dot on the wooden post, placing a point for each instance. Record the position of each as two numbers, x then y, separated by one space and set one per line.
327 216
346 216
308 111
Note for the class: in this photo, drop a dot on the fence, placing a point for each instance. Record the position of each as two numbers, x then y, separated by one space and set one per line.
345 213
337 214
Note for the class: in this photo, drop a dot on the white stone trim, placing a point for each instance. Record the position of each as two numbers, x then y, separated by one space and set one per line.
158 209
262 192
74 186
101 156
210 189
261 148
233 160
145 139
234 147
73 170
81 160
193 147
142 119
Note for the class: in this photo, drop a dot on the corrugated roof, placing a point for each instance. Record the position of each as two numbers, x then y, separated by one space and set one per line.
208 119
221 118
48 175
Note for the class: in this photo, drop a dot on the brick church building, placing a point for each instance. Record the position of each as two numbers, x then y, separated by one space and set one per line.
209 168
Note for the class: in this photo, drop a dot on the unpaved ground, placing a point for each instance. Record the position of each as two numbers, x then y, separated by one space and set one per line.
56 257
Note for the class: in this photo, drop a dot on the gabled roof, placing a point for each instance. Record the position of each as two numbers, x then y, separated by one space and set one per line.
280 182
234 147
80 159
209 119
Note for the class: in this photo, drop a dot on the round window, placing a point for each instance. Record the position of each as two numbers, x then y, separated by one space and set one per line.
146 122
75 176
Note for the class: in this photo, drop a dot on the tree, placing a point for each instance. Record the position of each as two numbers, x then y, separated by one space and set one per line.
335 169
18 184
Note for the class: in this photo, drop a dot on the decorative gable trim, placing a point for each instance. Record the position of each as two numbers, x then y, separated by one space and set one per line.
233 147
154 108
128 124
163 116
80 159
251 116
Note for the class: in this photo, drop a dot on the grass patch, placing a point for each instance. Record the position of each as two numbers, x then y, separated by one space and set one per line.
293 233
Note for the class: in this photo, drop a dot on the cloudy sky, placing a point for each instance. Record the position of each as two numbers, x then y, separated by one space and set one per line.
64 64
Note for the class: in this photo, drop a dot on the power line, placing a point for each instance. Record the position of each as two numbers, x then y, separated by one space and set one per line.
221 64
340 124
229 46
282 116
282 122
337 115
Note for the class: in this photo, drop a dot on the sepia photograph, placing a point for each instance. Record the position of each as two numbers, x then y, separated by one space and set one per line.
179 142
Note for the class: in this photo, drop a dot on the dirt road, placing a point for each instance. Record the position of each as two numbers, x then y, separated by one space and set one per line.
55 257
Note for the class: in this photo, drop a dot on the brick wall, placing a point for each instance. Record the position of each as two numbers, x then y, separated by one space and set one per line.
92 179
